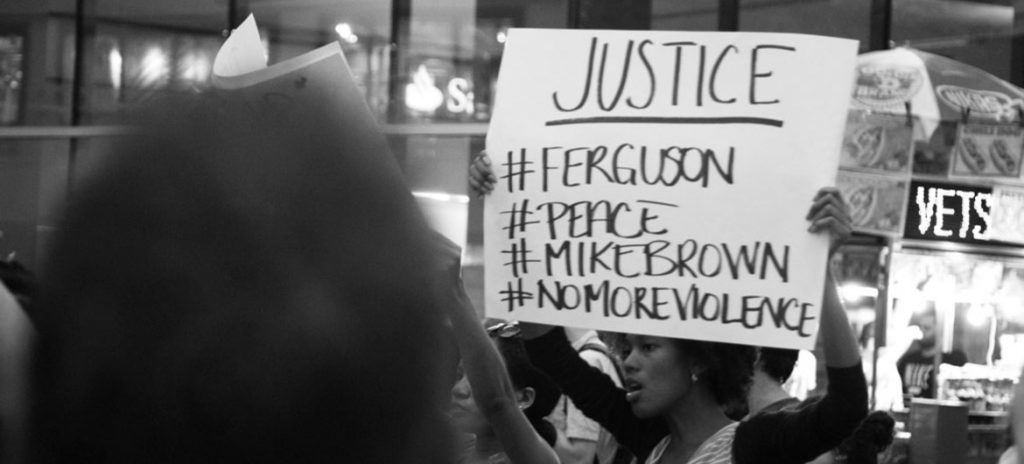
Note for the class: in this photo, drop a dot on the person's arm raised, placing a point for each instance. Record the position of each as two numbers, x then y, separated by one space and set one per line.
806 432
492 388
829 213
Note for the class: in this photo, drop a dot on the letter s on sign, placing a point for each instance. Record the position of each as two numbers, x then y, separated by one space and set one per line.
460 98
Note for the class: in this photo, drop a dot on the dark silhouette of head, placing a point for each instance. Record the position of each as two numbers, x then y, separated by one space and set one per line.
524 374
777 363
236 287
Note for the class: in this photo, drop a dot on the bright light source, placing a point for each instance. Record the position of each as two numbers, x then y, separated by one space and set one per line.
116 63
977 315
155 66
195 67
501 36
344 31
441 196
421 94
853 292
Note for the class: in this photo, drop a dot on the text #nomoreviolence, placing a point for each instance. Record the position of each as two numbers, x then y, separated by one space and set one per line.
663 303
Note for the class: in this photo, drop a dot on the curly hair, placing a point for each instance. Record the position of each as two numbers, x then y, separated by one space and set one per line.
778 363
728 367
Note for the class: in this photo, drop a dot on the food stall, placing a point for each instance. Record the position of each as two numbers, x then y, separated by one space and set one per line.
931 168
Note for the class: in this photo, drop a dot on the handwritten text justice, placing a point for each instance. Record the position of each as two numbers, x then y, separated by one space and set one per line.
691 61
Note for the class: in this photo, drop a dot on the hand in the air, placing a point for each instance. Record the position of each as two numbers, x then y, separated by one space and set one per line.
830 213
481 175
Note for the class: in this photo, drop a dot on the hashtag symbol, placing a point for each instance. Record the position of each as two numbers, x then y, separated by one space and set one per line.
519 255
517 218
517 170
515 296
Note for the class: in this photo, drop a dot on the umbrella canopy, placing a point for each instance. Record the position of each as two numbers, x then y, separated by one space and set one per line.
937 88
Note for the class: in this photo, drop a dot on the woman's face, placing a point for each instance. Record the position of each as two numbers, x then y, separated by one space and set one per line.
657 375
464 413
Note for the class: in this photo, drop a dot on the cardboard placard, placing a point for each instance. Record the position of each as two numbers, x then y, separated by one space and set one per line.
658 182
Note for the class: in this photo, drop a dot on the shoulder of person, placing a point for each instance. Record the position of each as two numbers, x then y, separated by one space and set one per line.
596 354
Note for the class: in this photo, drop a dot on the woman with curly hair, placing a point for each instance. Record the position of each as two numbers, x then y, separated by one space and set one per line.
672 409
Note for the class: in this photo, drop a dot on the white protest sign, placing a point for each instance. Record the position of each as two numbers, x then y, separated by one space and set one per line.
658 182
242 52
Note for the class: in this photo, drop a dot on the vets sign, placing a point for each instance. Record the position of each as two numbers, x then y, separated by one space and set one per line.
658 182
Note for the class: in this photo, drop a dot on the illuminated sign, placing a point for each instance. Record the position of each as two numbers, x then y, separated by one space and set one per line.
421 94
459 98
424 96
949 212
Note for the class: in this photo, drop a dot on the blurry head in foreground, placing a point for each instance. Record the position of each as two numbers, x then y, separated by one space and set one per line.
234 287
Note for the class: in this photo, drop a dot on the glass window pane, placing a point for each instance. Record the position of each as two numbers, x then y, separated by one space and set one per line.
36 61
142 49
835 18
434 75
696 15
979 34
12 73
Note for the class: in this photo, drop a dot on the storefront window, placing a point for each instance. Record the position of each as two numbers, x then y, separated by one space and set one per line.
836 18
36 62
136 51
977 33
699 15
977 303
11 77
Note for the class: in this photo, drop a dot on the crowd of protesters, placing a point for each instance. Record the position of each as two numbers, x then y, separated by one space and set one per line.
246 294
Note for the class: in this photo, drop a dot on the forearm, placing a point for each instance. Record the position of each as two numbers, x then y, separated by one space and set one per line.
816 426
492 389
575 451
484 367
840 346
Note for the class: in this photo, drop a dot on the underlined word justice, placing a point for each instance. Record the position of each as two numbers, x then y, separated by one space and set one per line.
679 73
